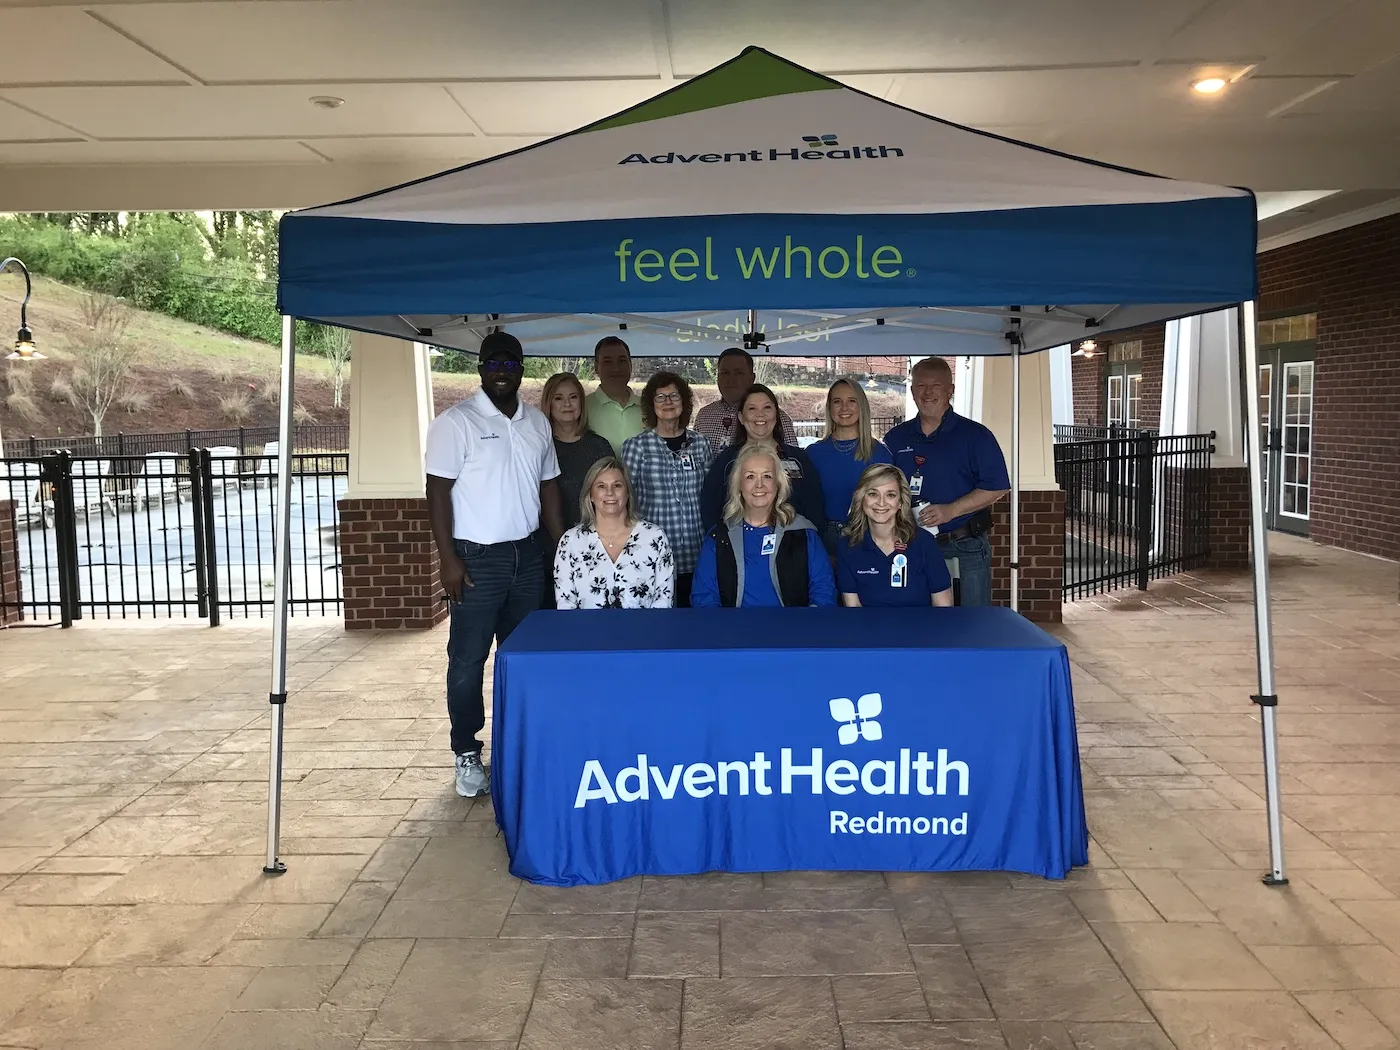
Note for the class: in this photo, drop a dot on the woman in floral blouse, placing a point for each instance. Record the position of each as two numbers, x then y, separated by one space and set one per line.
612 559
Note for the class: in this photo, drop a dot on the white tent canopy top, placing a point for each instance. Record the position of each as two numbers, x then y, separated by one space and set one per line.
842 219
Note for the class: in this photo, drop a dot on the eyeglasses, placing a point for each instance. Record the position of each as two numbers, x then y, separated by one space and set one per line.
668 399
502 364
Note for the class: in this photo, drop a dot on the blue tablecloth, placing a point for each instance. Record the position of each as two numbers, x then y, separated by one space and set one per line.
669 742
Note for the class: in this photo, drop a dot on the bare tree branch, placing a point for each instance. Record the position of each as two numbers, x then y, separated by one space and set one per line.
105 356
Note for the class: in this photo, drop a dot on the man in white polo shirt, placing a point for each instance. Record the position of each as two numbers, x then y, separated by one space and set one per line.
491 470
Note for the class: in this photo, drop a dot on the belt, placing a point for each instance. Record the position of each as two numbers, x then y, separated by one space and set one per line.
945 538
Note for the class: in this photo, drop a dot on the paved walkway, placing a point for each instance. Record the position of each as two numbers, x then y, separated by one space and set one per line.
133 913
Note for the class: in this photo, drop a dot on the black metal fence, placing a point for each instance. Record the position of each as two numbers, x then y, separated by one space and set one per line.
1137 507
169 534
309 437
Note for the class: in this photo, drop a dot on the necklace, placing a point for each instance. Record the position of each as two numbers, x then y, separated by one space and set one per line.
616 543
845 444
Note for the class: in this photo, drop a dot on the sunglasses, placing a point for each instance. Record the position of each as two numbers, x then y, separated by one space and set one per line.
502 364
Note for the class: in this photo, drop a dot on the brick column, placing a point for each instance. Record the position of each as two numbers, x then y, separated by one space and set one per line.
389 565
10 611
1229 518
1042 554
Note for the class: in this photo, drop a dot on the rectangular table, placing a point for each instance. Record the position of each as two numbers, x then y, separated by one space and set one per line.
668 742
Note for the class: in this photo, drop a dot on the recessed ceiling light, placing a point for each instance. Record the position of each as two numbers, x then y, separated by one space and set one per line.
327 101
1209 86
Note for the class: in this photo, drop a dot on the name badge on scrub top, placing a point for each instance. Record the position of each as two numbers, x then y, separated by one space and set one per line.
916 485
899 571
686 462
770 544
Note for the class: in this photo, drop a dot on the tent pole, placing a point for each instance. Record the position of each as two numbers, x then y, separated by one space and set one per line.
282 557
1016 471
1263 625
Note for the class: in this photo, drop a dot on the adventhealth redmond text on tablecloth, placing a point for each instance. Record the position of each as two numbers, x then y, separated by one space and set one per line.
676 741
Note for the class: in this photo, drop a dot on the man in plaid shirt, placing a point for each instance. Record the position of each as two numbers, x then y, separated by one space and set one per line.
667 464
734 374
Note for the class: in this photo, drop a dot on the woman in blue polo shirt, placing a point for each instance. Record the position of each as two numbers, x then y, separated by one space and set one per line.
763 554
885 559
847 447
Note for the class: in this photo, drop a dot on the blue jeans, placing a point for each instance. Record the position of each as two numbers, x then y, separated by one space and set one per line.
974 558
508 580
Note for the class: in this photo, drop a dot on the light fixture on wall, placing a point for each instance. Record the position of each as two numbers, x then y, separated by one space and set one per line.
326 101
24 340
1087 349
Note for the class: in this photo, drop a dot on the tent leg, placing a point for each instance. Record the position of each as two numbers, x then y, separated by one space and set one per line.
277 695
1016 474
1263 625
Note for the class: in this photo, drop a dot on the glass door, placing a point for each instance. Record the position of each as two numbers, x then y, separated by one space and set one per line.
1287 371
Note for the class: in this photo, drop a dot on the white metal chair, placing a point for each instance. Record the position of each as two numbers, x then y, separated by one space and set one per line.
225 465
25 490
161 480
90 487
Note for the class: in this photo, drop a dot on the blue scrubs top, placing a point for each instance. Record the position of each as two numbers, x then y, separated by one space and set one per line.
870 573
961 455
839 470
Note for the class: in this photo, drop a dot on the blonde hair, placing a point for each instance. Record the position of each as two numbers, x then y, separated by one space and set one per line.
783 513
858 525
587 516
551 387
865 440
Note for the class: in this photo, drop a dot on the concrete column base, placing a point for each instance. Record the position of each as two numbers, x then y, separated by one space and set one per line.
10 611
1042 554
389 566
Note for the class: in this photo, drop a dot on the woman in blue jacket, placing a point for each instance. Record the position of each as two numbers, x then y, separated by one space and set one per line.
763 554
759 423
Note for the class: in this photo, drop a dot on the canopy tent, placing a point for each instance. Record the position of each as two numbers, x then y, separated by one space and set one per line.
766 203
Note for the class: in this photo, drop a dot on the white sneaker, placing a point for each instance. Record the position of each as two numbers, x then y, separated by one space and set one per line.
471 775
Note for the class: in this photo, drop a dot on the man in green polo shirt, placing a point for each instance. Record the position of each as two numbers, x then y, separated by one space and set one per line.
613 410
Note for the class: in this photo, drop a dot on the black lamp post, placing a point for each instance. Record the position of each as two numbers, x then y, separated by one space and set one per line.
24 341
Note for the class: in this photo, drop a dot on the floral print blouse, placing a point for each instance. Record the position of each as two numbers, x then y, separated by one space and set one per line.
643 577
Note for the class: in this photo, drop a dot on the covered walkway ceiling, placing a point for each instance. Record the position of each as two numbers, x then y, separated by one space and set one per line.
153 105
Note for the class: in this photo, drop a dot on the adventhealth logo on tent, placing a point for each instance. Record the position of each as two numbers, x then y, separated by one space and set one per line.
904 773
814 147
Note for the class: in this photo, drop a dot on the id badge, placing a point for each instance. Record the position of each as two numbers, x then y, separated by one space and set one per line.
686 462
793 468
770 544
899 571
916 485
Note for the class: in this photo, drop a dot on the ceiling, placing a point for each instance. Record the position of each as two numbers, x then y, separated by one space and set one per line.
149 105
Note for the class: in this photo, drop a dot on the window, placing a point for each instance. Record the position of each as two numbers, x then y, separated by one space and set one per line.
1299 328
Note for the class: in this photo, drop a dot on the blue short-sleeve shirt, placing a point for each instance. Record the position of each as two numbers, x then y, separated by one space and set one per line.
880 580
959 456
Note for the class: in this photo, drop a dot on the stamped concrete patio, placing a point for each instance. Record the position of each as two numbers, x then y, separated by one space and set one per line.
133 912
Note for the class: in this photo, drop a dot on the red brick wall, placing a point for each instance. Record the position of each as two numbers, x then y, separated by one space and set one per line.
1042 554
1352 279
1088 383
1229 518
389 565
10 612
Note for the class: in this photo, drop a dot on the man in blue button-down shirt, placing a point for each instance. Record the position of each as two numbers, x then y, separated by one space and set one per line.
956 471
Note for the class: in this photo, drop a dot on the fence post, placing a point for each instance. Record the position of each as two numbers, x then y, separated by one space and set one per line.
206 538
1143 494
242 441
201 571
33 445
57 470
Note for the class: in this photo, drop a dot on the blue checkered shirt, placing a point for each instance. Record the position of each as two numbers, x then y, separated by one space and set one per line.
667 493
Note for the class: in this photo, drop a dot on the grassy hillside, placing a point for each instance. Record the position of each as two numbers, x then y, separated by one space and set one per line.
195 378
